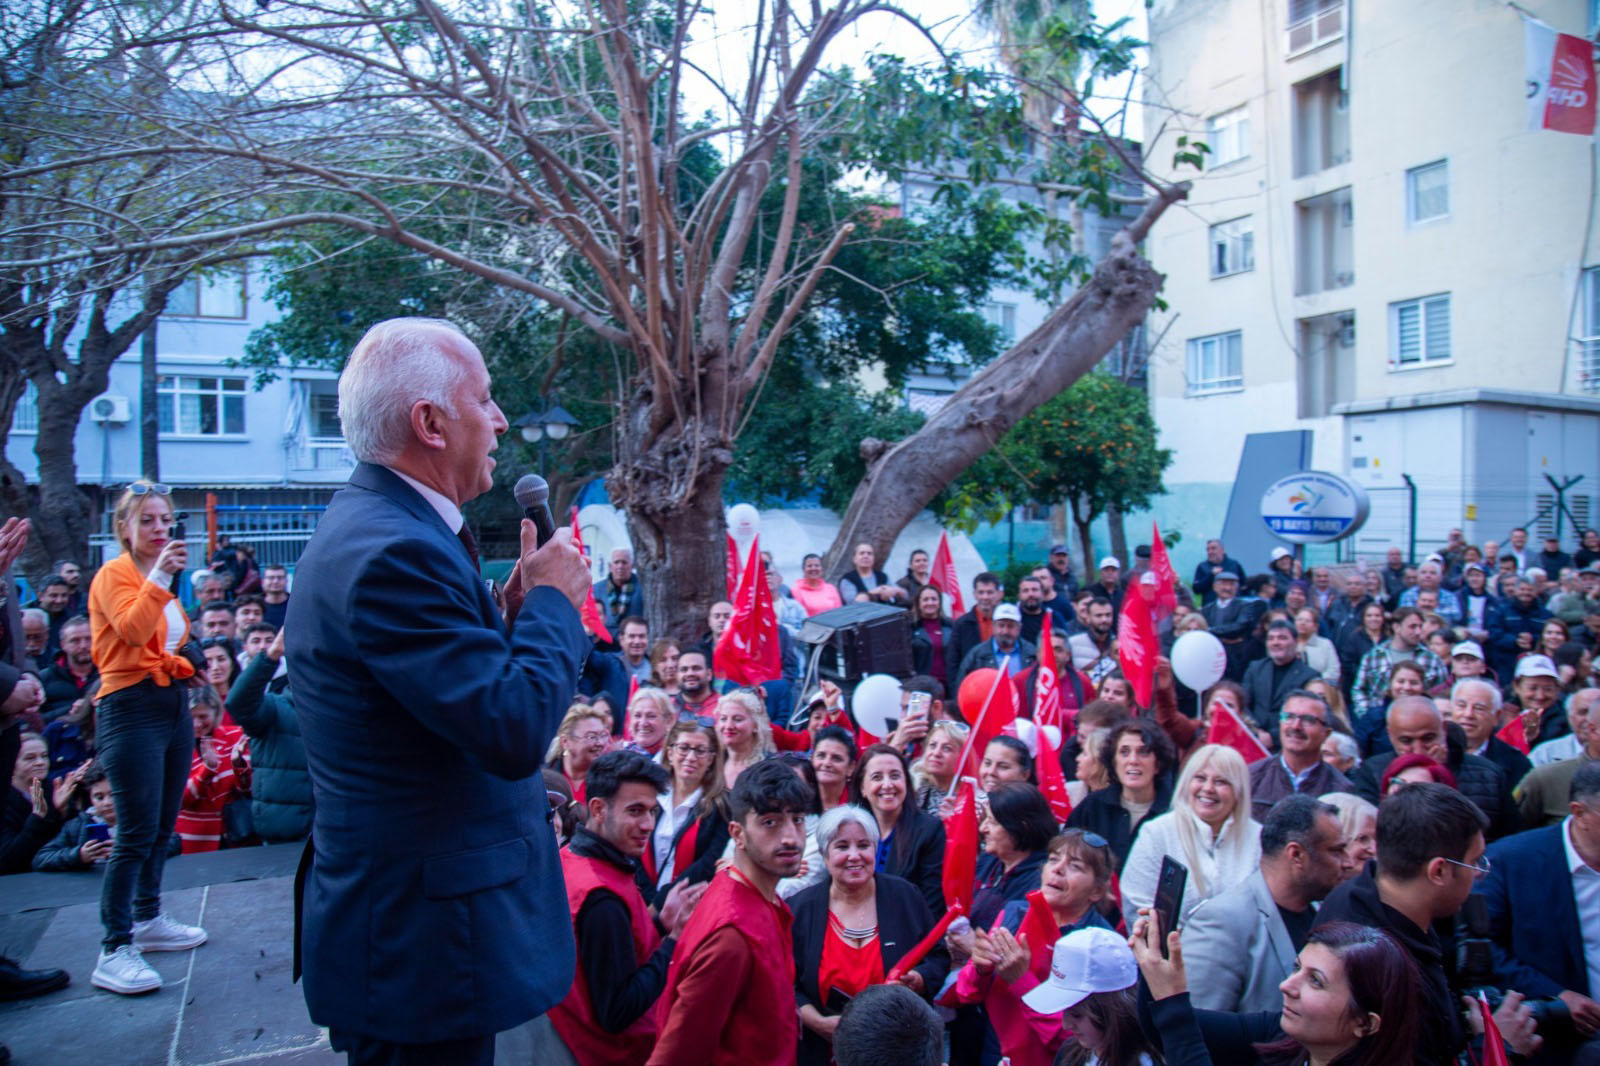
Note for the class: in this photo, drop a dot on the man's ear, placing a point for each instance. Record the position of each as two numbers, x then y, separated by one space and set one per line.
427 425
736 831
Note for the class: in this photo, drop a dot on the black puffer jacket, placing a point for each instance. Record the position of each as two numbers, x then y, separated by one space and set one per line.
1478 779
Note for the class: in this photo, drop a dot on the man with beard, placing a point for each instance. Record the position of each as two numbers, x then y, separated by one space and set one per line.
1095 652
730 989
1006 650
977 625
1305 725
695 698
1031 602
1055 600
612 1014
72 672
1060 568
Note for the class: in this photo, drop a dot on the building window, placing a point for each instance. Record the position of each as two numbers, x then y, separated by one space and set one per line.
25 416
217 295
1428 192
1216 363
325 415
1002 317
200 407
1228 136
1314 22
1233 247
1419 331
1588 344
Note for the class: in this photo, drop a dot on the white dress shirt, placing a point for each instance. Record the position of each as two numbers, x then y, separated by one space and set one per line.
672 817
436 499
1586 895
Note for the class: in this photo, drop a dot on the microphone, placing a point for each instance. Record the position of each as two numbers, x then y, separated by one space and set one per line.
533 496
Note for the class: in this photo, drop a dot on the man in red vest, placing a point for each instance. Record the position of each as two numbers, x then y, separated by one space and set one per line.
612 1014
730 991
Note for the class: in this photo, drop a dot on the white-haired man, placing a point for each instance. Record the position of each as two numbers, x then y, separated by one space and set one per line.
426 932
618 593
1475 706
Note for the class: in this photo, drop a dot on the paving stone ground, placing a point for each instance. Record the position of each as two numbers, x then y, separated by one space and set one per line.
229 1002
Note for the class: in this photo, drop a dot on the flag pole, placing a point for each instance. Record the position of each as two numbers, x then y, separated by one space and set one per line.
999 676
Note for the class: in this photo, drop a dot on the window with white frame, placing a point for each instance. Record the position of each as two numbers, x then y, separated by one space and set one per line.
1419 331
1228 136
25 416
219 294
200 406
1589 343
1002 317
1216 363
1428 192
1233 247
325 415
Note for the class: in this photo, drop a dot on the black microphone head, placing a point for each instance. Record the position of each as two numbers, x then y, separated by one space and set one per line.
531 491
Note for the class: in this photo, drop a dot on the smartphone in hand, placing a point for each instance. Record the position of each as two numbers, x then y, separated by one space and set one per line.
1169 898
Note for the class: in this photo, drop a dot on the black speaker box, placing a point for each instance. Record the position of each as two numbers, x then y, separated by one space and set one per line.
860 639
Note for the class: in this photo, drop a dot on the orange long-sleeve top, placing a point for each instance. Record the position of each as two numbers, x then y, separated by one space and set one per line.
128 626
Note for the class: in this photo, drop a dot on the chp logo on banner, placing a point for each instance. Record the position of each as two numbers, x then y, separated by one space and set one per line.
1560 80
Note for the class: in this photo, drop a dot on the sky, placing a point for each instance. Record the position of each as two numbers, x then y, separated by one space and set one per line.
721 45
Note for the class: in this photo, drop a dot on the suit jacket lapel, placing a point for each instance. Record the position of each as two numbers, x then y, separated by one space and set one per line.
1277 934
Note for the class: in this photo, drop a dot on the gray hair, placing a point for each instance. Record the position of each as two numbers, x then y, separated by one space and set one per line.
1494 690
36 614
1346 746
397 364
1533 574
829 824
1585 787
1352 809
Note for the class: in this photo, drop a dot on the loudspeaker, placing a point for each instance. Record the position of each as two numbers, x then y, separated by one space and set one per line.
860 639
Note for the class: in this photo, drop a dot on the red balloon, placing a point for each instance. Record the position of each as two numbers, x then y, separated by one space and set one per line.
974 690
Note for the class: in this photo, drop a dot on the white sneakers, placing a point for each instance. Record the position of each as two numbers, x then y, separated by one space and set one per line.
125 971
163 934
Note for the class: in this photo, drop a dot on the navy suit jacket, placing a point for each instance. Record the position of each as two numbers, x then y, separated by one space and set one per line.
1533 919
433 909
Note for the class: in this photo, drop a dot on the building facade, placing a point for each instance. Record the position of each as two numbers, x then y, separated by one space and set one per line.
1380 252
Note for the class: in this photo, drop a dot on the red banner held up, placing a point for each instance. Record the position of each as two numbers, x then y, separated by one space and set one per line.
1137 648
1230 732
961 848
942 575
748 652
591 610
1166 576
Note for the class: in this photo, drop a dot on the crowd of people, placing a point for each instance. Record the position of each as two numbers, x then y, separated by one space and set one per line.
753 877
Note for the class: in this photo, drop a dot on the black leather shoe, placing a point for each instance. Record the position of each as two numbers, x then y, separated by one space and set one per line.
17 983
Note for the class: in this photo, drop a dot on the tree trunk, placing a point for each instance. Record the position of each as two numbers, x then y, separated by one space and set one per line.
902 478
1085 544
61 516
1119 536
149 411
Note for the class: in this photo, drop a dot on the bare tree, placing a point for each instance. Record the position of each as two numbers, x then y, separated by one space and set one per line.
558 147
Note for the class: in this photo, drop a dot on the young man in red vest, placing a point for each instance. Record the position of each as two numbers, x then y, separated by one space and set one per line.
730 991
613 1013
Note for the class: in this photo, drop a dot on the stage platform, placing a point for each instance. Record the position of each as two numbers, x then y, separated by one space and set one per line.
229 1001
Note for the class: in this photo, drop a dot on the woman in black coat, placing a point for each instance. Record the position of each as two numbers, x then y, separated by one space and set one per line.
932 637
882 784
851 929
1140 759
692 832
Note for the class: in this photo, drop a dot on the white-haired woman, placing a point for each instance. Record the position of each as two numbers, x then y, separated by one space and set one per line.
850 929
1358 823
1208 829
745 732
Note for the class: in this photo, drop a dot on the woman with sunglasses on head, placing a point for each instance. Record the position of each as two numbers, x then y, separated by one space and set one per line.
582 737
145 738
935 772
692 828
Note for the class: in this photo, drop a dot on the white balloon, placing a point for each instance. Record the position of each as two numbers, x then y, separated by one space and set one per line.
1199 659
744 522
1053 734
876 701
1024 730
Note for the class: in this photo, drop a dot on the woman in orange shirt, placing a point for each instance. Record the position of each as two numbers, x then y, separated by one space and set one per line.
145 736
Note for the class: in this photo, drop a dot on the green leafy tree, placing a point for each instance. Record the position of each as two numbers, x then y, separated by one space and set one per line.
1092 447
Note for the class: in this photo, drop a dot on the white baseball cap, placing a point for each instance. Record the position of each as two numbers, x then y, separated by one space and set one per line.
1007 612
1085 961
1280 552
1148 578
1536 666
1467 647
1111 560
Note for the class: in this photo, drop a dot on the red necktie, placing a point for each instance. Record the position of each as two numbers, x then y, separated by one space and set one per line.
469 542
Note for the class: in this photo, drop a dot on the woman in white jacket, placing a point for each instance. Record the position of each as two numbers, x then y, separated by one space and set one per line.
1208 829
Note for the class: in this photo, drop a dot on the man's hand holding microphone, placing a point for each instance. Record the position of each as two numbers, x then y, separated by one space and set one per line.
547 557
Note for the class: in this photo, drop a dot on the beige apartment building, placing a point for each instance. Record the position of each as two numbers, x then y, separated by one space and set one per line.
1380 263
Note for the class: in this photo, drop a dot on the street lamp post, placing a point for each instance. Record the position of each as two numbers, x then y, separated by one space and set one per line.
552 422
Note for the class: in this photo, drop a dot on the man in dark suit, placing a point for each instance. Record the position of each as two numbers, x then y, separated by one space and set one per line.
1233 621
432 910
1543 898
1216 562
1269 680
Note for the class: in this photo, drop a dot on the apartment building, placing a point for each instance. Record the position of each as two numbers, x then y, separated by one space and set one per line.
1381 263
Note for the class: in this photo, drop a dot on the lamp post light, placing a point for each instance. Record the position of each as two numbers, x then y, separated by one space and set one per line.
539 427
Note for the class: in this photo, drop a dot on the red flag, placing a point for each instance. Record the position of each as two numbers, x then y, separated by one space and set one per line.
1230 732
942 576
961 848
1560 79
909 960
733 567
1515 734
1136 647
1047 680
591 610
1052 781
1039 926
747 653
999 710
627 712
1494 1045
1166 576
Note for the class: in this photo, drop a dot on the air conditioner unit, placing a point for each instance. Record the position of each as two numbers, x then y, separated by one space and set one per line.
110 409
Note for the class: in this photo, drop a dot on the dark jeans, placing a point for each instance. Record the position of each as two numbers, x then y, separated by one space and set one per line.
365 1051
145 741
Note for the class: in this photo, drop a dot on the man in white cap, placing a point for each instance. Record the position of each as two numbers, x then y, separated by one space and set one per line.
1004 650
1543 795
1537 688
1475 706
1280 566
1109 584
1466 660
